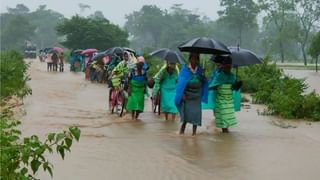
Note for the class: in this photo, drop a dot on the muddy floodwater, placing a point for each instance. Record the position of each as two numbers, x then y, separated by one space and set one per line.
311 77
150 149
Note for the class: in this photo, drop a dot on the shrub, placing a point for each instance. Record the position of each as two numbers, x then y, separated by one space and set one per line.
13 76
286 98
282 94
19 156
311 107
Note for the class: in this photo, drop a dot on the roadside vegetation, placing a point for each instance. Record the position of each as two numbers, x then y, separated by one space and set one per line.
282 94
22 157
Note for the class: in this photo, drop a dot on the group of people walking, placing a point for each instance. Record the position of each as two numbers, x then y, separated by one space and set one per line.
186 91
54 60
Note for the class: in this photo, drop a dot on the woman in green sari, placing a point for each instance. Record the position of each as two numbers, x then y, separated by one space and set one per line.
137 89
166 80
224 85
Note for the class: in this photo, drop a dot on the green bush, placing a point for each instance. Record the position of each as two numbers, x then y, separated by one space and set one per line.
13 76
18 155
283 95
311 107
286 98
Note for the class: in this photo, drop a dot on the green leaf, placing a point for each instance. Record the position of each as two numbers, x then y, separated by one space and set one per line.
35 165
49 149
26 140
24 171
50 171
68 142
46 167
75 132
51 136
25 156
39 151
60 136
61 151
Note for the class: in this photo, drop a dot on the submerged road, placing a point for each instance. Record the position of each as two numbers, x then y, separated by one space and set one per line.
119 148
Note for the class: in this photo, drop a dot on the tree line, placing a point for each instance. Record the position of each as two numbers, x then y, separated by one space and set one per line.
284 29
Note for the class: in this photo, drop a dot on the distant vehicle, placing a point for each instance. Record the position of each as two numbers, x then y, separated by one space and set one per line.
30 51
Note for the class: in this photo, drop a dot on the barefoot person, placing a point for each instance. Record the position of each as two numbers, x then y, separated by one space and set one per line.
137 89
224 84
192 88
166 79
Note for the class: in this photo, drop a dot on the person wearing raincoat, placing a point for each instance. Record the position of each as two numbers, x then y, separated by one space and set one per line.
192 88
137 88
165 82
225 84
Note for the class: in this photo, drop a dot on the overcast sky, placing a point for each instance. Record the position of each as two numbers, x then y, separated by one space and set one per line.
115 10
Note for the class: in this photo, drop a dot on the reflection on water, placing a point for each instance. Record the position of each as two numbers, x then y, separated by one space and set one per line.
151 148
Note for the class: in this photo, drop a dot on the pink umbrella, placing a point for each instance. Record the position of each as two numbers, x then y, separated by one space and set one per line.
89 51
59 49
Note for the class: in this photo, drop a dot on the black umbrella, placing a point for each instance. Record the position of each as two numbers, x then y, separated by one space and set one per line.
99 56
46 50
129 50
169 55
204 45
115 51
243 57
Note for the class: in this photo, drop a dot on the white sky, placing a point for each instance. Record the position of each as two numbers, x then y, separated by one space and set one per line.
115 10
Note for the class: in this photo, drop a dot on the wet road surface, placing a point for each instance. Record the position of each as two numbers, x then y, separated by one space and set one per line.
119 148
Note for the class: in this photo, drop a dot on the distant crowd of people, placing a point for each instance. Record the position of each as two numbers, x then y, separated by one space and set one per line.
54 60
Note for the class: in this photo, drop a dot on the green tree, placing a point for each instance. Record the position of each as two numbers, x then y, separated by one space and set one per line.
85 33
45 21
145 26
271 37
20 25
97 15
314 48
278 12
154 28
308 13
19 155
239 16
15 30
13 77
19 9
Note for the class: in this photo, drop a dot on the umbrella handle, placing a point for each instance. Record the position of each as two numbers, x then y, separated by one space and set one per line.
236 73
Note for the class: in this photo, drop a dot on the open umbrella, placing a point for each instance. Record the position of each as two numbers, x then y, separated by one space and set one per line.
129 50
115 51
169 55
243 57
89 51
77 51
52 51
46 50
204 45
99 56
58 49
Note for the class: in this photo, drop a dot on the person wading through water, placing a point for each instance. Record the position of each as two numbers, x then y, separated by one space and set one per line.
192 88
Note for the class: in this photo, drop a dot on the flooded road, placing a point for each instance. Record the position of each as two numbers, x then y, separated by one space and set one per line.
311 77
119 148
